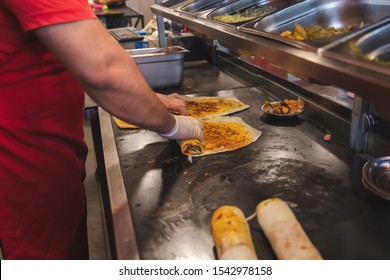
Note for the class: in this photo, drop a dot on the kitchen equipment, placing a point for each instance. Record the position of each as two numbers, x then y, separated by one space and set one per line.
202 6
248 8
367 47
326 13
161 67
125 34
376 176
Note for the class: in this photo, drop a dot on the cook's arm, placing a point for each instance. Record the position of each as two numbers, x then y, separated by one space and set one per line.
107 73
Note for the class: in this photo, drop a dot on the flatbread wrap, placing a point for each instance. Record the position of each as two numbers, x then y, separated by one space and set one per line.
231 234
123 124
202 106
284 232
221 134
213 106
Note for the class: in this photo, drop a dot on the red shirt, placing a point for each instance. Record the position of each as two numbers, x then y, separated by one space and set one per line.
38 97
42 149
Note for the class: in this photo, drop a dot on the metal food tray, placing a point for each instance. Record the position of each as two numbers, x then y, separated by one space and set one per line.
172 3
154 62
203 6
327 13
372 43
269 6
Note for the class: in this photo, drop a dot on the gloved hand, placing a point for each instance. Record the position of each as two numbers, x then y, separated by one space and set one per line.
186 128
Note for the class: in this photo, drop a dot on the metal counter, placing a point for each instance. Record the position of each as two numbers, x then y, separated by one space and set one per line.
161 204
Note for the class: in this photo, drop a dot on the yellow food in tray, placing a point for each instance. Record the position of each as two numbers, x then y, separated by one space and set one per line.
355 51
235 18
314 32
246 15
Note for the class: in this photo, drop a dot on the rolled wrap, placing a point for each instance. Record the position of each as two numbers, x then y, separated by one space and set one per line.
221 134
231 234
191 147
287 237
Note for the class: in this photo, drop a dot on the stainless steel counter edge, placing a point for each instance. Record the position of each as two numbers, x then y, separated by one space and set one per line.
124 235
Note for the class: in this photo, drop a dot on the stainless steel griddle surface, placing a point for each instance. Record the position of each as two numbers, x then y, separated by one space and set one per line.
172 200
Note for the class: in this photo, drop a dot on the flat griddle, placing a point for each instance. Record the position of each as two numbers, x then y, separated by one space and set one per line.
171 200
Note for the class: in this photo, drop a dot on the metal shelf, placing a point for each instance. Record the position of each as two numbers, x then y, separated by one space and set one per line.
363 81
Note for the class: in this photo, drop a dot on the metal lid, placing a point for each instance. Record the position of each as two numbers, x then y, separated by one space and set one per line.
376 176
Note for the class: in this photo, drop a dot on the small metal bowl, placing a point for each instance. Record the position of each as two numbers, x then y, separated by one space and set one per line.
376 176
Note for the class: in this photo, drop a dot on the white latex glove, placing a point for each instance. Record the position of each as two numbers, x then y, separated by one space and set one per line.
186 128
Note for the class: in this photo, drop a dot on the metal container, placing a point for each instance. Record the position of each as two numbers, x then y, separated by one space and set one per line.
172 3
203 6
327 13
368 47
249 8
376 176
161 67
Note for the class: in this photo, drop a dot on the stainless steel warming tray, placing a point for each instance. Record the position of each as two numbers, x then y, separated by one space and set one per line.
161 67
327 13
203 6
360 80
172 3
367 48
243 11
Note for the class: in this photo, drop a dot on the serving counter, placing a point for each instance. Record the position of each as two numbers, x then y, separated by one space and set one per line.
370 81
160 204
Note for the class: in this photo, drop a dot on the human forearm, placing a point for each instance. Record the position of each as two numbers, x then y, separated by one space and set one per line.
124 93
107 73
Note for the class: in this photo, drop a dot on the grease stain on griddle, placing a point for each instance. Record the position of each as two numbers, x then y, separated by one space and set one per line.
312 189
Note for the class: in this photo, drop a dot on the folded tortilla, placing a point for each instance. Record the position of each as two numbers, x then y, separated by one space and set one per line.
213 106
123 124
222 134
